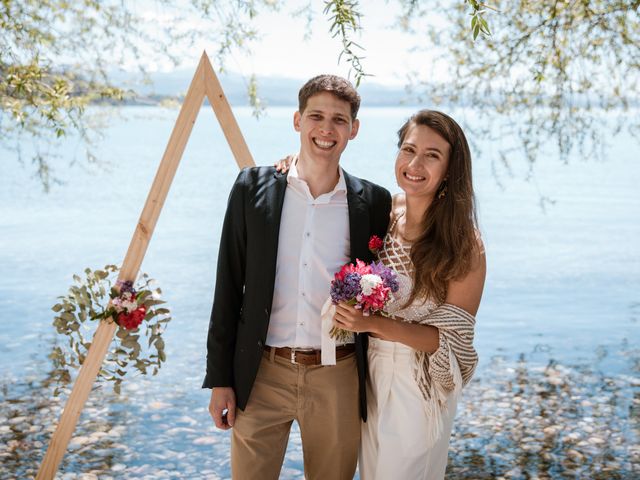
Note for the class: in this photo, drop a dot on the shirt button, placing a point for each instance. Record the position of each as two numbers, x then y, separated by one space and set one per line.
307 234
301 323
303 294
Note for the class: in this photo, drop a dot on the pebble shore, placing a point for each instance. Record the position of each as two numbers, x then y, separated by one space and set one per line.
515 421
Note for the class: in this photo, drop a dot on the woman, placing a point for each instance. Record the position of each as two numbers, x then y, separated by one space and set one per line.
421 356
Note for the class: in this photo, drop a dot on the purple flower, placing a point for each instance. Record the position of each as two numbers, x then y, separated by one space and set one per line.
349 288
389 277
126 287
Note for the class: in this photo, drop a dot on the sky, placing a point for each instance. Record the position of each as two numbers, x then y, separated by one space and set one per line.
282 49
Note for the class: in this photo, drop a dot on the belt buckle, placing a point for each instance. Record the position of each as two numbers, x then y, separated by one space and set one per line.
296 350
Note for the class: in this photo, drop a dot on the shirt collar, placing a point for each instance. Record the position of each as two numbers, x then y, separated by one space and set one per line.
341 186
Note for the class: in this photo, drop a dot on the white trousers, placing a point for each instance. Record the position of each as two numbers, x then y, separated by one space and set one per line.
393 444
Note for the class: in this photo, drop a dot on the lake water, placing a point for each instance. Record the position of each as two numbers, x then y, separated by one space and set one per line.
563 283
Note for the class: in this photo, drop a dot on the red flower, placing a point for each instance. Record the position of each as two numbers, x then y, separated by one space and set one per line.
375 243
132 320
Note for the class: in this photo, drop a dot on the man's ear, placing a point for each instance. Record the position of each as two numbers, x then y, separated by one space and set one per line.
355 126
296 121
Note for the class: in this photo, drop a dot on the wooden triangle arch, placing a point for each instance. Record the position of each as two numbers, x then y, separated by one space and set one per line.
204 83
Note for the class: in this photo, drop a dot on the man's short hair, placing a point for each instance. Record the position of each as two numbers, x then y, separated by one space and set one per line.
338 86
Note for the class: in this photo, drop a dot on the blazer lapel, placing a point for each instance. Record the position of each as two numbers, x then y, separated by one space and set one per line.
358 218
270 200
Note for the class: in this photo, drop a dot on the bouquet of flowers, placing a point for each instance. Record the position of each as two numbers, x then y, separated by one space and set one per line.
367 286
137 309
126 307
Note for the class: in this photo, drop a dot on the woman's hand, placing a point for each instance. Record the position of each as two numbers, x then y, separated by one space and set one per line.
282 165
352 319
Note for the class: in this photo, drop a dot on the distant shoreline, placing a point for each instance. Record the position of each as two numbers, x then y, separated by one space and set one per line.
167 100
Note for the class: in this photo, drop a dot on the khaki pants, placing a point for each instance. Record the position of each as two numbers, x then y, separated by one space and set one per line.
324 402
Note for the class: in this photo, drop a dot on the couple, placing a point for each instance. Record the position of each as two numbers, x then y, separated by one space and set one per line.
284 236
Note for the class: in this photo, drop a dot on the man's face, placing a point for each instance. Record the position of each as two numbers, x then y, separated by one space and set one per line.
325 127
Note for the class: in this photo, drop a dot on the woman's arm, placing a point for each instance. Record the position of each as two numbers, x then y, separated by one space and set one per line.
464 293
416 336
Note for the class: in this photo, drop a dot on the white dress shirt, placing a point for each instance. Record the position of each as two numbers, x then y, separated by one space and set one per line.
313 244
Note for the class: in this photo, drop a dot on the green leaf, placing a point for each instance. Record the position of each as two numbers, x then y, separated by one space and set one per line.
476 31
142 295
159 343
100 274
150 302
129 342
69 307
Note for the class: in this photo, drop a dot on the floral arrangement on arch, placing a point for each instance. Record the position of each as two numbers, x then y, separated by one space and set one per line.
135 308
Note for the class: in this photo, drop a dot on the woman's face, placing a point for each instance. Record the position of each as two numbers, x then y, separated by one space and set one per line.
422 162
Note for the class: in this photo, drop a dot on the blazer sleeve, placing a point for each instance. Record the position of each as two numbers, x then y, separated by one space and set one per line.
229 290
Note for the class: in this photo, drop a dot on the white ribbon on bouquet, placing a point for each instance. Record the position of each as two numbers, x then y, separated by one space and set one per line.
328 343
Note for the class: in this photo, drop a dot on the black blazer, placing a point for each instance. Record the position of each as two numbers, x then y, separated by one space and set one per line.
247 268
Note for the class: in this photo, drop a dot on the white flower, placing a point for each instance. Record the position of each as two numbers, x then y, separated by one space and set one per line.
368 282
129 306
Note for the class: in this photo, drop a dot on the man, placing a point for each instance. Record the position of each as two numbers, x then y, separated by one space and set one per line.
284 236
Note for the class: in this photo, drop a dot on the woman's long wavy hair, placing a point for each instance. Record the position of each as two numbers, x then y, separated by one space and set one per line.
445 249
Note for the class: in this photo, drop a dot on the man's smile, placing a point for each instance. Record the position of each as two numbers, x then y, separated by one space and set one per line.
324 144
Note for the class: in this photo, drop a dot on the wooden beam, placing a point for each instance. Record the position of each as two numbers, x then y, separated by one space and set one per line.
204 83
227 121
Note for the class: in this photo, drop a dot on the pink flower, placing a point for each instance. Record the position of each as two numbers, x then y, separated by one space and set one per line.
360 268
377 300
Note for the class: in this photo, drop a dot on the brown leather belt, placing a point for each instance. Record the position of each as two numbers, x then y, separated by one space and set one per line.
309 357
